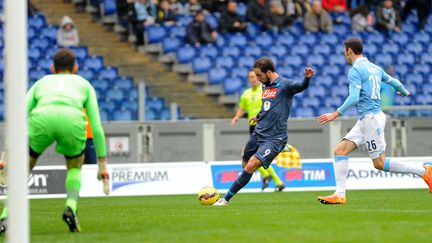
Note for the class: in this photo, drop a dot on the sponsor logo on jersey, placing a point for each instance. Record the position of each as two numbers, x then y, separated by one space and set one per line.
269 93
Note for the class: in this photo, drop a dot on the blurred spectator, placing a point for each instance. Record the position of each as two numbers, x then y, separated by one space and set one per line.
387 18
294 9
199 31
31 9
318 19
67 34
164 13
361 18
337 6
258 13
423 8
177 7
141 13
214 5
230 20
192 6
122 7
277 17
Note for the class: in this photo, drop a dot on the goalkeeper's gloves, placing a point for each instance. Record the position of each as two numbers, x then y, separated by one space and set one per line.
103 175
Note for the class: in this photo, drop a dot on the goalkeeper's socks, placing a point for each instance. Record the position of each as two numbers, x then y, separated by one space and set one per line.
275 177
73 186
5 213
399 167
238 184
341 171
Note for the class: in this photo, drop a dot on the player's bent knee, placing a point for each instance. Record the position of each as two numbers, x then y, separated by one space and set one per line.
253 165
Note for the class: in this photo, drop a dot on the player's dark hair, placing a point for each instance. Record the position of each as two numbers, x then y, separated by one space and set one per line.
264 64
64 60
355 44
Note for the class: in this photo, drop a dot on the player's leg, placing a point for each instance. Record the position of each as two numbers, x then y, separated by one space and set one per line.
266 177
348 144
279 184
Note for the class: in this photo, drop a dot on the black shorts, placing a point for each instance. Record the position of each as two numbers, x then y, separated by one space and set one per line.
265 151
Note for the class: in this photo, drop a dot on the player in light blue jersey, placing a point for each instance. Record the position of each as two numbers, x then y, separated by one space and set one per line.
364 91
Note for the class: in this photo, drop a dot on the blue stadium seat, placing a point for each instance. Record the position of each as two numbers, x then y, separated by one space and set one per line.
184 20
383 59
325 80
278 50
185 54
115 94
221 41
401 70
87 73
170 44
237 39
265 40
155 103
286 71
305 112
329 39
253 50
108 72
337 60
212 20
400 38
333 70
208 51
165 114
341 30
316 60
323 110
241 72
42 43
108 7
34 53
224 61
201 64
232 85
300 49
150 114
31 33
315 90
231 50
104 115
427 88
293 60
422 37
246 61
390 48
399 100
81 52
94 62
216 75
49 32
406 58
423 99
241 9
133 93
370 49
415 48
423 69
311 102
100 84
426 58
285 38
178 31
129 104
45 63
308 38
124 83
322 49
252 30
333 101
37 21
376 38
36 74
415 78
155 33
122 115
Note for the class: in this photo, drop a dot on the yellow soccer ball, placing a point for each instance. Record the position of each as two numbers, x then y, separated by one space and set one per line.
208 195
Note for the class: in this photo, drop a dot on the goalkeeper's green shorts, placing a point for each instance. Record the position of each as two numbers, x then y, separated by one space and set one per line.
65 125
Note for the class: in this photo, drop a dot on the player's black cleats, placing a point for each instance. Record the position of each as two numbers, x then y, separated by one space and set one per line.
266 182
3 225
280 188
71 220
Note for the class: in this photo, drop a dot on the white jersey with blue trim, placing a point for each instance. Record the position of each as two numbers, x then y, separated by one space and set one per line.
365 80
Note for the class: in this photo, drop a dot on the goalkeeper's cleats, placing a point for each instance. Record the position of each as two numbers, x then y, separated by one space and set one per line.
3 225
332 199
427 177
266 182
71 220
280 188
221 202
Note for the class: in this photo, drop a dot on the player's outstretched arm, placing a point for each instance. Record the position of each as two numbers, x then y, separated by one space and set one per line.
396 84
298 87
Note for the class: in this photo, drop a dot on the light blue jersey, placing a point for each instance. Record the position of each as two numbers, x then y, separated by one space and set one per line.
364 90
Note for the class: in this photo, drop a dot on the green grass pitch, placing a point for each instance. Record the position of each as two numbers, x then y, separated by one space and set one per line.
369 216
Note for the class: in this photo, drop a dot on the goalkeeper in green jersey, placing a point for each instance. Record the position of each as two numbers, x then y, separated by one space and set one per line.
55 114
250 102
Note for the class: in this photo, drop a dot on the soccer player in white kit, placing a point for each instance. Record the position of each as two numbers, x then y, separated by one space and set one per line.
364 91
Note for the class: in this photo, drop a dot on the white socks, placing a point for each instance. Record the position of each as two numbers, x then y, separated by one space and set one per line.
399 167
341 171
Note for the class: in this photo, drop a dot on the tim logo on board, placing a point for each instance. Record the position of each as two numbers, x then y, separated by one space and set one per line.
310 175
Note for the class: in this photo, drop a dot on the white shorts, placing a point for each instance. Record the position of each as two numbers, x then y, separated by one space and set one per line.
370 131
